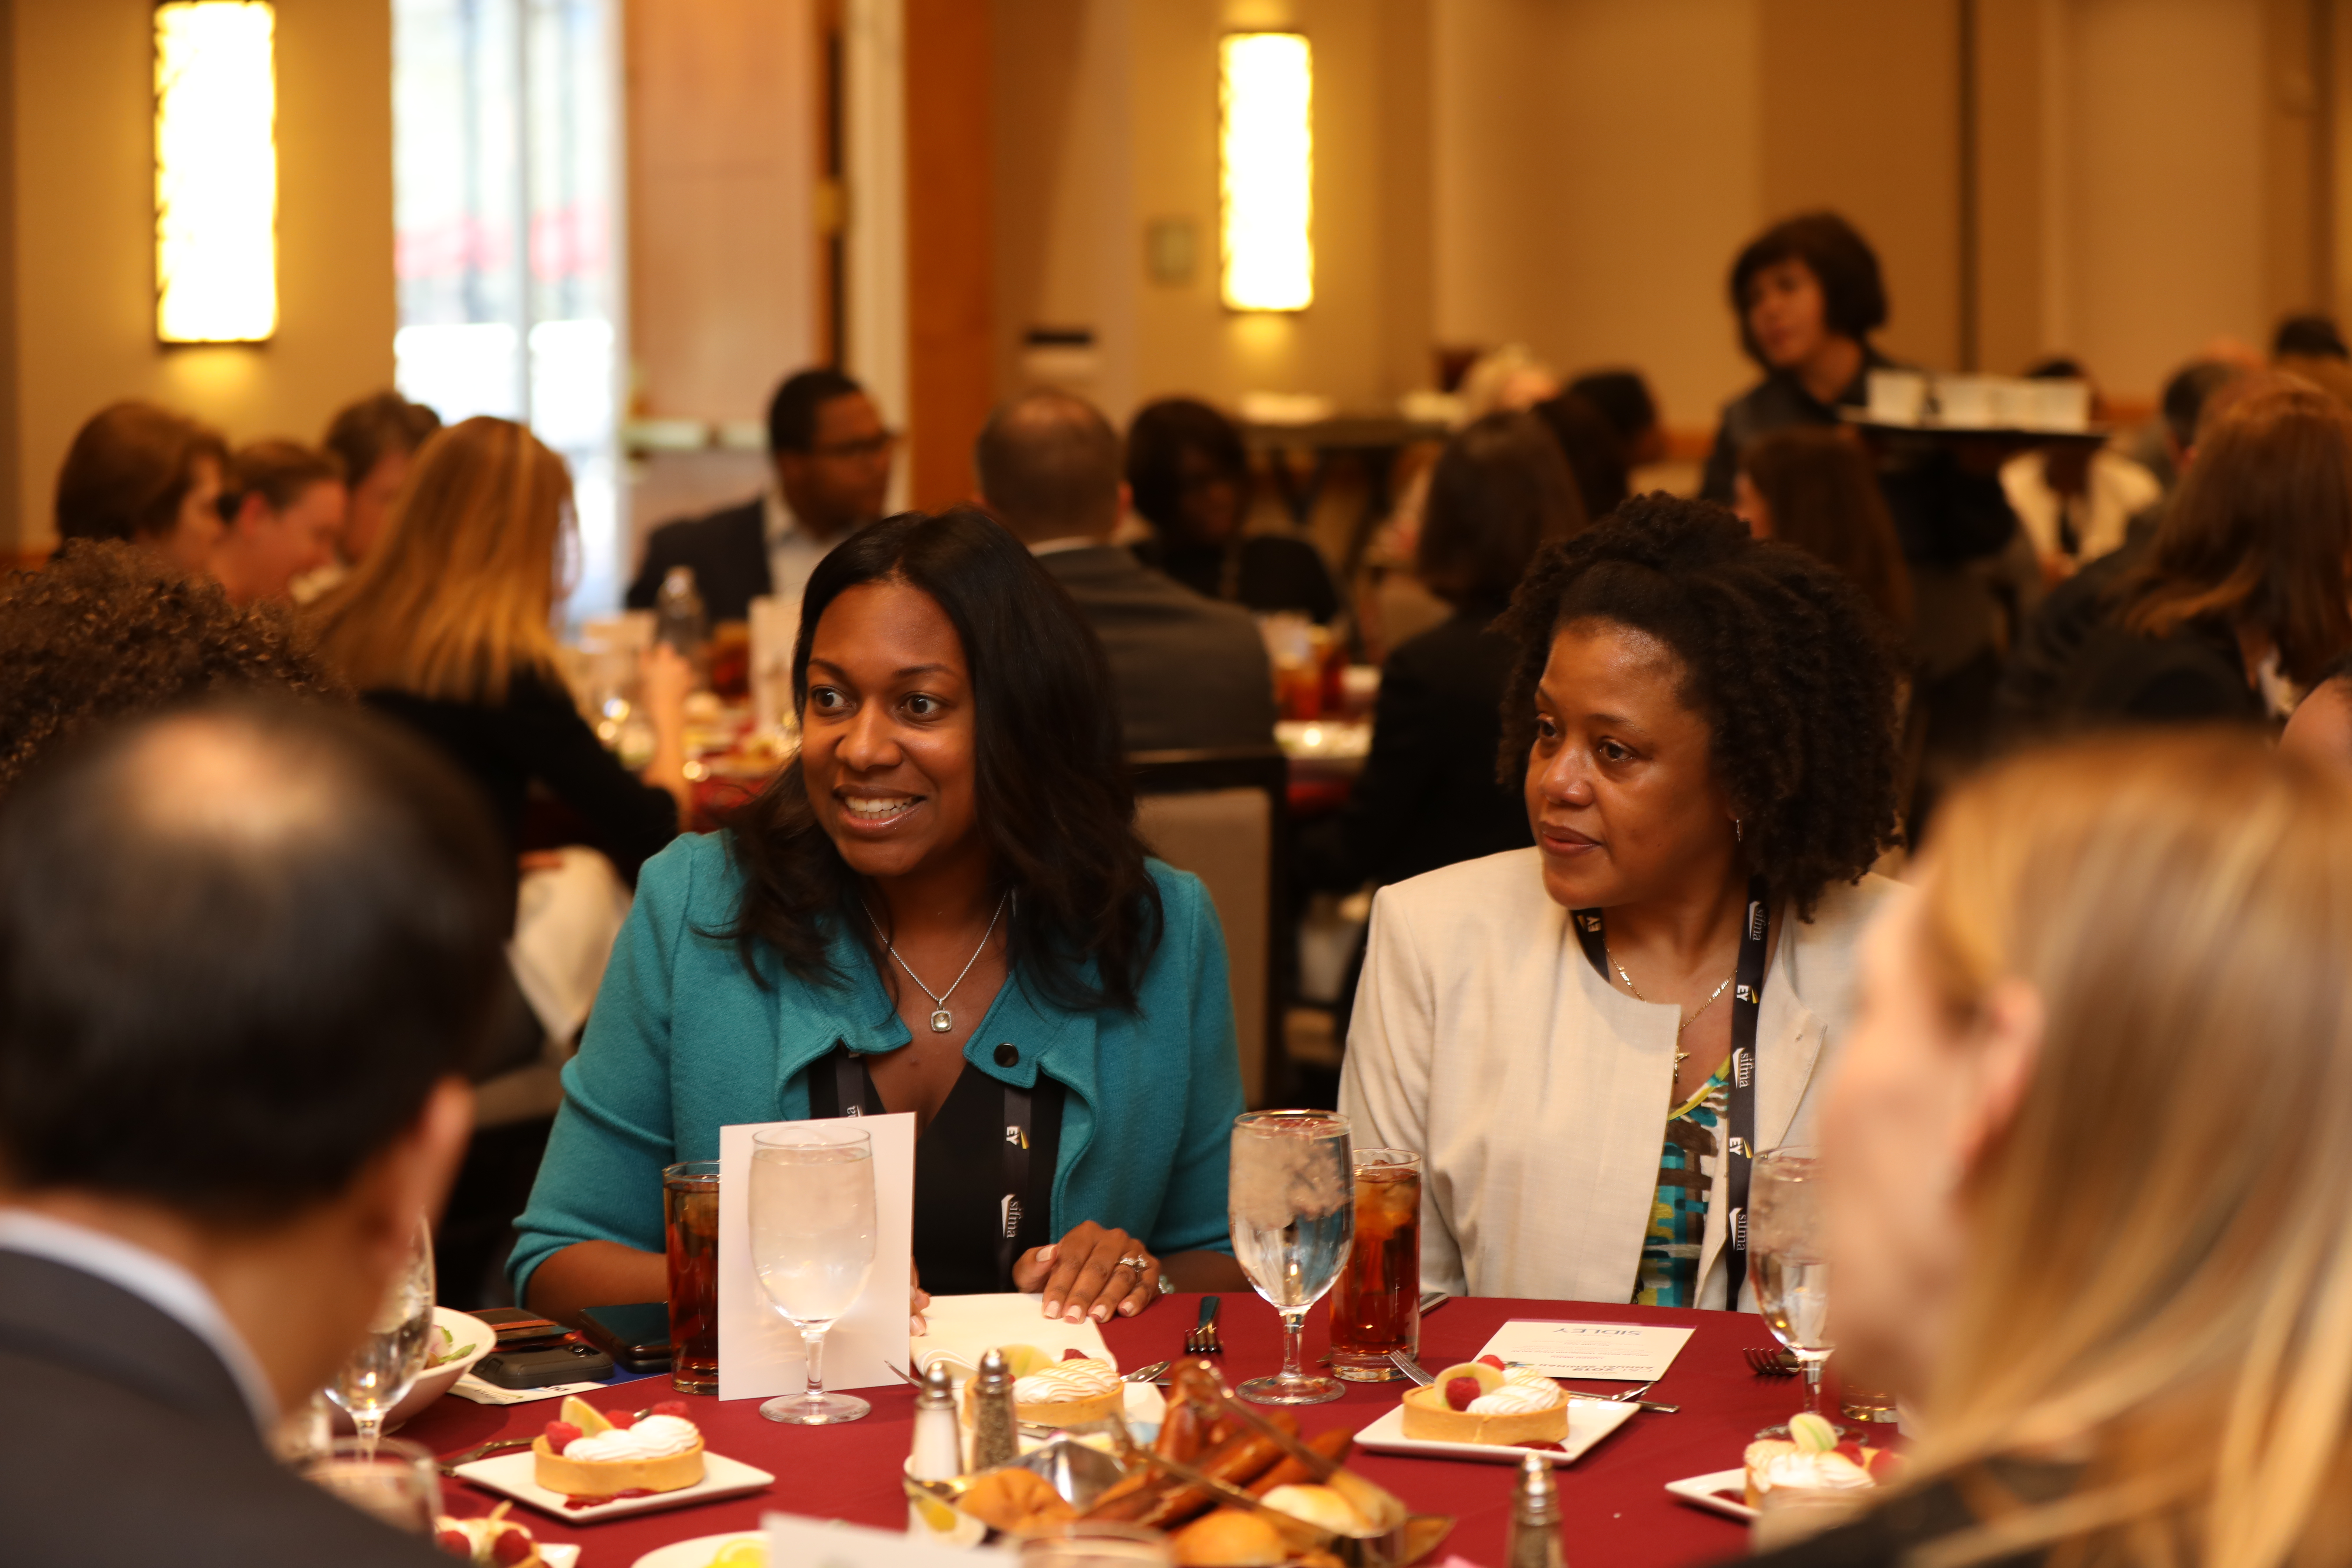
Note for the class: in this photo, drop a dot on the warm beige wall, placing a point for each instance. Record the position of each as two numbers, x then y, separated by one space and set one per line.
84 232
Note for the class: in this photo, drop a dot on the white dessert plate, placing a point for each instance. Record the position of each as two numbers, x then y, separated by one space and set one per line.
697 1552
1706 1491
1589 1421
555 1556
510 1475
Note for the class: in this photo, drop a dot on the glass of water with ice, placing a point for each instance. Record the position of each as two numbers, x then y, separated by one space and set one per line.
813 1228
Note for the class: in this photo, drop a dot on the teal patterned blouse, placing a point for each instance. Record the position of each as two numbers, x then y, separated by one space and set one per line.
1670 1247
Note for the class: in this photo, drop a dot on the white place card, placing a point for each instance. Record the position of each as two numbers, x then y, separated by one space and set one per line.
760 1350
481 1391
1628 1352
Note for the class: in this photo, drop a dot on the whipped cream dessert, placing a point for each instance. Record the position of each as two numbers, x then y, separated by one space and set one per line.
1066 1381
1832 1471
653 1437
1523 1393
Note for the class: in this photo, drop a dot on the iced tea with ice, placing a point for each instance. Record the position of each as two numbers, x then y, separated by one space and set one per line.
691 1218
1376 1305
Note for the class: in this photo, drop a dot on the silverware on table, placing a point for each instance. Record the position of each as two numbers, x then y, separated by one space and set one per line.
1155 1372
1402 1361
1773 1363
1633 1397
448 1466
1203 1338
1432 1299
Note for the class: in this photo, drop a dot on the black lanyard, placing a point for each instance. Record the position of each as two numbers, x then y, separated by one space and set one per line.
1746 1004
852 1086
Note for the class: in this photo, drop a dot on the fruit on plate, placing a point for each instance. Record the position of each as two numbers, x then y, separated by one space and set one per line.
586 1453
1484 1402
1814 1457
1050 1392
492 1540
743 1552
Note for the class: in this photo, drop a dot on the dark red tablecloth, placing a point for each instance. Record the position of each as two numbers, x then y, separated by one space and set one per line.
1617 1508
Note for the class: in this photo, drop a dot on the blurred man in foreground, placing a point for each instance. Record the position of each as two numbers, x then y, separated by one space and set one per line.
243 955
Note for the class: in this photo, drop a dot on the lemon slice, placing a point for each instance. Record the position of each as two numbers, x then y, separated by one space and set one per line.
584 1415
750 1551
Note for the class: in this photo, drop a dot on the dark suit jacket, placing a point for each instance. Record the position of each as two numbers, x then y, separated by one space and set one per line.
127 1444
1428 796
1190 673
728 553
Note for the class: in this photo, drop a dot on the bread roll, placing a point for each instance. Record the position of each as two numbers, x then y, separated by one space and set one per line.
1228 1539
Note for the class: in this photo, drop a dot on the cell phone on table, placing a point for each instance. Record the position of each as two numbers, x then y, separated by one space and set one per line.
517 1329
636 1335
573 1362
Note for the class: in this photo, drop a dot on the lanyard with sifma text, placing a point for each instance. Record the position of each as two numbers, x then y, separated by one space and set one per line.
1747 1005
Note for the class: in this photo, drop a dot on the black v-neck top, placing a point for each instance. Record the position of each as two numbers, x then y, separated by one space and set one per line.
960 1201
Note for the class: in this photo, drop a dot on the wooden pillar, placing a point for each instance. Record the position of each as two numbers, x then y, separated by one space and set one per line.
952 384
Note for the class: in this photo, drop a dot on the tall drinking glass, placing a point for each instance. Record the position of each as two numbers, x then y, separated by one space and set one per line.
1376 1306
690 1224
393 1479
1292 1204
399 1343
1787 1262
813 1228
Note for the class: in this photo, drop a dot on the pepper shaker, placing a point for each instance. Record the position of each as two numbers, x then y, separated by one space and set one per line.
995 1439
1535 1518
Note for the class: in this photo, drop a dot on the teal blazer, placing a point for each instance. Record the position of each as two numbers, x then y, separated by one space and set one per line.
682 1042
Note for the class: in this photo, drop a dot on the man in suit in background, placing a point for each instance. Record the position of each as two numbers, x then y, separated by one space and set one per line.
245 953
832 460
1191 672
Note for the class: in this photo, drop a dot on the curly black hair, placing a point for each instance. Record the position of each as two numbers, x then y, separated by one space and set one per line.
1792 668
104 631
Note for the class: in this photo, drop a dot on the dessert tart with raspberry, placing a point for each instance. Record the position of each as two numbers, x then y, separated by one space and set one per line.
1813 1459
589 1452
491 1540
1049 1393
1484 1402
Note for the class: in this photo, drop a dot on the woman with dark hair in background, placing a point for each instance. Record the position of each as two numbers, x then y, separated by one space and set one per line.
377 438
1813 488
1596 456
1428 796
941 908
1189 476
147 475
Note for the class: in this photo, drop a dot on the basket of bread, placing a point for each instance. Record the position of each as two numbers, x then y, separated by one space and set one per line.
1230 1486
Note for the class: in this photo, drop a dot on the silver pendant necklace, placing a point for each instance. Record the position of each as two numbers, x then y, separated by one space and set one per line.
942 1020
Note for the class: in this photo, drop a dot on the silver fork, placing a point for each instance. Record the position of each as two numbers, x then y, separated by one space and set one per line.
1203 1338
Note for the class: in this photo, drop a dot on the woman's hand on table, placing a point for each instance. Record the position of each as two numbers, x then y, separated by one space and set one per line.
918 1301
1091 1272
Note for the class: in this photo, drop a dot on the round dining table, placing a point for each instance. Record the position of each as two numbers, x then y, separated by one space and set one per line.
1613 1497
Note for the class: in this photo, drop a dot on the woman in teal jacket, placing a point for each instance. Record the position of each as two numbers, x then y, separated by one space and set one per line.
943 907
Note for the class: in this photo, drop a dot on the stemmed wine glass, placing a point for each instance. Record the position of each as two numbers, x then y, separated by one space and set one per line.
379 1374
1787 1262
813 1228
1292 1204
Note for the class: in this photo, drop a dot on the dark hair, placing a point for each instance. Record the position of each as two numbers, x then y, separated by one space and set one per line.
792 412
1793 673
2310 335
104 632
2257 533
1622 398
362 432
2056 367
1500 492
1824 500
1056 803
225 986
277 471
1853 297
1048 467
2186 394
1598 458
1157 440
128 470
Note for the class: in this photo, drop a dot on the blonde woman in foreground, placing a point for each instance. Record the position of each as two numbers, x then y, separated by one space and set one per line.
2087 1149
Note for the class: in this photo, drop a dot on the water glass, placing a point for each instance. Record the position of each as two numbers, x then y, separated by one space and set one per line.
1376 1306
813 1232
1095 1543
1787 1261
1291 1203
690 1224
399 1344
390 1478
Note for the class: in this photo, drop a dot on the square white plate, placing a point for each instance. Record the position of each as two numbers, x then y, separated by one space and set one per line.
510 1475
1702 1492
1589 1421
555 1556
697 1552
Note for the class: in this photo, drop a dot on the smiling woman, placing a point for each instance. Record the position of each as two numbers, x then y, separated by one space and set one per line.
1702 725
944 908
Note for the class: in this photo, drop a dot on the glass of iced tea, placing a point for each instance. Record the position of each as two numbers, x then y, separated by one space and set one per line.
690 1219
1376 1306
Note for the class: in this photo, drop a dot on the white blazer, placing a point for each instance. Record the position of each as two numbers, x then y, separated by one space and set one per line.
1536 1093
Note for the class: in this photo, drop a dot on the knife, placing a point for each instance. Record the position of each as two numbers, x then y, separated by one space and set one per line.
1421 1374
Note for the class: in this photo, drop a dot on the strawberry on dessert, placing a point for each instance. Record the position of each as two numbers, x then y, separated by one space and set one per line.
1484 1402
587 1453
493 1540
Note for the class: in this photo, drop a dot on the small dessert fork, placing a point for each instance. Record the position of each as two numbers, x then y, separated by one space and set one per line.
1203 1338
1766 1363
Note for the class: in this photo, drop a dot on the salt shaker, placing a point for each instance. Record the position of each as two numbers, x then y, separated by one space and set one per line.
1535 1518
938 1441
995 1440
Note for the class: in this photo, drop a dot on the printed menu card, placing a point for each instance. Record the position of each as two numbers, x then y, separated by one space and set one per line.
1629 1352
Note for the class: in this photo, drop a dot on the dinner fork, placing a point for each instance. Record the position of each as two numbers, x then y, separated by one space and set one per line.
1766 1363
1203 1338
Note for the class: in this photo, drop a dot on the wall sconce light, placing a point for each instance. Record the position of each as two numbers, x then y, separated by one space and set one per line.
215 172
1266 147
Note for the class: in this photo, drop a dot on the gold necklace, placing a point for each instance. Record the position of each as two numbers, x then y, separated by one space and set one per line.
1690 1016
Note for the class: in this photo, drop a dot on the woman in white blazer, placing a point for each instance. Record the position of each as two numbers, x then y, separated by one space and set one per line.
1588 1040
